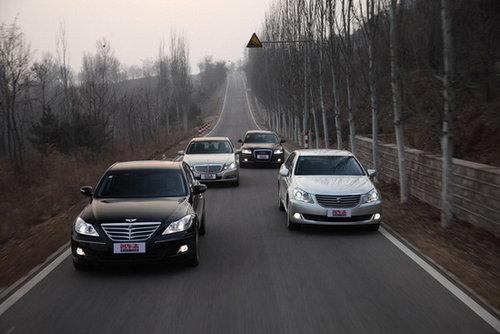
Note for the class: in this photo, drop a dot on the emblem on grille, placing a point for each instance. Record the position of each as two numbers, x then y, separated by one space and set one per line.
130 220
337 199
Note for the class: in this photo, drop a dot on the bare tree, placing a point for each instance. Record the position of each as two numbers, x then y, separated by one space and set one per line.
448 114
14 71
396 101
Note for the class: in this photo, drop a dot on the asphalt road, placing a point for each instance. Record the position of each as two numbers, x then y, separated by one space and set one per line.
255 276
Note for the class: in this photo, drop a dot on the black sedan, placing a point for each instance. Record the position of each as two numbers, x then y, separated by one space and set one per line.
141 211
261 148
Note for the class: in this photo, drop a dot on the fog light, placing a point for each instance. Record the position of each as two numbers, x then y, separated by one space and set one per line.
245 159
80 251
183 249
296 215
279 160
377 216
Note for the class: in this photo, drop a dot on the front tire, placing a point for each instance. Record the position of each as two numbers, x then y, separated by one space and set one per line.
202 230
373 227
280 203
193 259
80 266
289 224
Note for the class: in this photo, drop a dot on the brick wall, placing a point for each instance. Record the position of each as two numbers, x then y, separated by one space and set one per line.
476 186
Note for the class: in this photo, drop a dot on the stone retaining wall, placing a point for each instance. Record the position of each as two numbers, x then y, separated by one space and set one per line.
476 186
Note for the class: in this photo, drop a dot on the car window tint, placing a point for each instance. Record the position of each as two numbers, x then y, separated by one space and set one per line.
210 147
328 165
261 138
135 184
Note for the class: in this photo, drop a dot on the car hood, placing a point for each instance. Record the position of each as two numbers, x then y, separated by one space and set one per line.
261 145
197 159
334 185
116 210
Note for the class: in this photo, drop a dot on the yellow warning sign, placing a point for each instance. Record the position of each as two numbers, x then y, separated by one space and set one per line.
254 42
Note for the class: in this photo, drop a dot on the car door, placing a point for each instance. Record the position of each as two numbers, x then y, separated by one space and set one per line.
196 200
284 181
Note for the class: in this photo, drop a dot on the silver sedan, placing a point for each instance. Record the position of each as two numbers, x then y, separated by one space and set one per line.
328 187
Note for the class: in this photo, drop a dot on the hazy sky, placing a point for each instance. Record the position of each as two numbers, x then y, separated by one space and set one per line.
213 27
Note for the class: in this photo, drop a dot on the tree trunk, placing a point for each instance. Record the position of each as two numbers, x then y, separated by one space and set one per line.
448 115
374 104
396 103
338 127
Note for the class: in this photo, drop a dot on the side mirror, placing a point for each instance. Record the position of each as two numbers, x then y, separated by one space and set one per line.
180 152
240 141
199 189
371 173
237 152
282 141
284 171
87 191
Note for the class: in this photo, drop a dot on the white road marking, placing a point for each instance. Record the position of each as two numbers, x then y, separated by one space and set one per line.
222 111
32 282
250 108
450 286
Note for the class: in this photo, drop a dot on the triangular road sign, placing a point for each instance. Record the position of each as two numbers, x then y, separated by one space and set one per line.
254 42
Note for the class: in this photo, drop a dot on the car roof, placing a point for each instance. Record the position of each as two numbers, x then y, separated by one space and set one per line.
260 131
145 165
209 138
323 152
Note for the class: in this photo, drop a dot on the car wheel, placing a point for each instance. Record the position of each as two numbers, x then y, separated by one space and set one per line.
193 258
80 266
289 224
202 230
374 227
236 183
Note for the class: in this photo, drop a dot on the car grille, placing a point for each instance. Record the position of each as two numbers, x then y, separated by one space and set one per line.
340 201
130 231
211 169
337 219
257 152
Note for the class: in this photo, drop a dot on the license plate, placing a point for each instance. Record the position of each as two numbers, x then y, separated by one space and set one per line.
208 176
262 156
339 213
129 247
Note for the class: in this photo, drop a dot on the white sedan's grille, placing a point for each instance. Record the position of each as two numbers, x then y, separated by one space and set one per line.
338 201
212 169
130 231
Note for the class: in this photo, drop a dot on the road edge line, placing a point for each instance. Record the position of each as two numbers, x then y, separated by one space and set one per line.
47 268
248 105
222 111
482 312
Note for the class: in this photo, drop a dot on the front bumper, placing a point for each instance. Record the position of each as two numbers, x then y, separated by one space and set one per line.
315 214
276 159
158 249
230 175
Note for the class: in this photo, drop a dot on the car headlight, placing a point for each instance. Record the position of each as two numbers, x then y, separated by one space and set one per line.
82 227
371 196
246 151
179 225
232 165
278 151
303 196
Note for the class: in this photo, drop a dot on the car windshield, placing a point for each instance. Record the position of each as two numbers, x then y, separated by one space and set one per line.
209 147
328 165
141 184
270 138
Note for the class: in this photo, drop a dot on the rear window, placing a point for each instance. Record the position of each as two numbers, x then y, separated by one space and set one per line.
142 184
328 165
209 147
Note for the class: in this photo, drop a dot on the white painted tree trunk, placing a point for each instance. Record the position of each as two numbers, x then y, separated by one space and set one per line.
448 115
396 103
